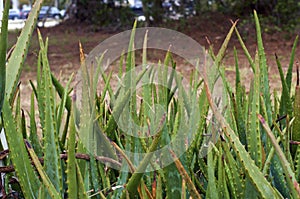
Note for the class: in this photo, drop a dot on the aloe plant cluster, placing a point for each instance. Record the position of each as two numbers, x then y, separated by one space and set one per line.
251 140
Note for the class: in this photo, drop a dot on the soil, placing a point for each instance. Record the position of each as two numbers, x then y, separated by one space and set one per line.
208 30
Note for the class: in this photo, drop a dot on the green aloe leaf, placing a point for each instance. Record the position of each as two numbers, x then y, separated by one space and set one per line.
296 127
28 179
71 162
253 134
246 52
35 142
51 141
265 87
262 186
61 92
3 48
17 58
238 102
46 181
212 183
290 175
289 73
135 179
285 103
185 176
237 180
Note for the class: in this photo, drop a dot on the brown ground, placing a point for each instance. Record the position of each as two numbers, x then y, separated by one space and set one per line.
64 54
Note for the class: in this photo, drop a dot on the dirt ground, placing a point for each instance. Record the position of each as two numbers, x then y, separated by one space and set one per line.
207 30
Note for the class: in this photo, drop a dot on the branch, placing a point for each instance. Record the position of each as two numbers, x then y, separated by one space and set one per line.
63 156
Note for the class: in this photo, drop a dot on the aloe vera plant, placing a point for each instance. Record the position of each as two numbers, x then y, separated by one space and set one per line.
81 150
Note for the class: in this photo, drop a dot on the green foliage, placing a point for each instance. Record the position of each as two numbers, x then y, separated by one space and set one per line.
249 154
3 48
103 14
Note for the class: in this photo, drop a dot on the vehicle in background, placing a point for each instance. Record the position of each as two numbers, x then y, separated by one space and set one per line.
63 13
45 12
49 12
14 14
24 12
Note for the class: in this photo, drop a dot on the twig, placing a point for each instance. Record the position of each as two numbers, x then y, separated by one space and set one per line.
64 156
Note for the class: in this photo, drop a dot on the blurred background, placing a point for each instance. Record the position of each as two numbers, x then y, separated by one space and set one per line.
284 14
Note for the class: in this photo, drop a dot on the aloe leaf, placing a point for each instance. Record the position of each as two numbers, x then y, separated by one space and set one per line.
87 184
238 102
46 181
95 177
130 72
262 186
90 133
80 184
40 91
147 100
107 88
276 170
296 126
266 168
105 181
223 48
289 73
212 183
265 88
51 145
71 162
117 112
129 64
136 177
184 95
246 52
285 102
238 182
253 135
61 92
17 58
222 182
172 179
290 176
3 48
63 104
190 185
158 192
33 137
28 179
19 117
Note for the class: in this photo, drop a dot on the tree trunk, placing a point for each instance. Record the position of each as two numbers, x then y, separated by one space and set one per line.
15 4
1 10
56 3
